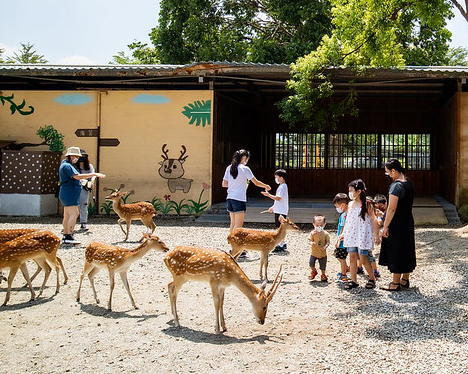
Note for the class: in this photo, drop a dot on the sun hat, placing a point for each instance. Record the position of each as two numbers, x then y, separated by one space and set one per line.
73 151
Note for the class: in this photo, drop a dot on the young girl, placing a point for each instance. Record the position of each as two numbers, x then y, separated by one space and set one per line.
341 202
360 233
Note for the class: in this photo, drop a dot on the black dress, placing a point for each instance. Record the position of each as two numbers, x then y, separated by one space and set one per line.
398 250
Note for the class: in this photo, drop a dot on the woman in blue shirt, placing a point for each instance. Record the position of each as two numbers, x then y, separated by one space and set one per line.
70 189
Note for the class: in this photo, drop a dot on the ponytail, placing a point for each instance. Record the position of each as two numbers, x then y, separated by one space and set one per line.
236 160
358 184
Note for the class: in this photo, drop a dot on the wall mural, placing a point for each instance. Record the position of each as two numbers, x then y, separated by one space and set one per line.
199 111
172 169
15 107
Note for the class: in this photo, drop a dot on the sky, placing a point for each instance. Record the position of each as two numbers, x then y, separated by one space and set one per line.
90 32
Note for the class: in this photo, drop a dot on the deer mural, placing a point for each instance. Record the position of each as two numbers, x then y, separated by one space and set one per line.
172 169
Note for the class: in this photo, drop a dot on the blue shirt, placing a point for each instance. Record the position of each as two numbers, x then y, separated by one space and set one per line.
70 188
341 223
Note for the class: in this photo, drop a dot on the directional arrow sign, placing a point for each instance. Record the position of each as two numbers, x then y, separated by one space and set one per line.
86 133
109 142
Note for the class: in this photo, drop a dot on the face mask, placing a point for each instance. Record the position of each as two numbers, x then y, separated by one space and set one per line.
277 181
351 195
319 229
339 210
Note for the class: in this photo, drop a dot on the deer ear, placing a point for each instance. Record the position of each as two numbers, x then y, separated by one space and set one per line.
145 235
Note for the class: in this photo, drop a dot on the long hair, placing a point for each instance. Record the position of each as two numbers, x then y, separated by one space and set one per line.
358 184
236 159
85 160
394 164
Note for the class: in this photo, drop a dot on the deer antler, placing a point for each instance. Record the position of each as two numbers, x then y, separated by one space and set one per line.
275 285
183 153
165 156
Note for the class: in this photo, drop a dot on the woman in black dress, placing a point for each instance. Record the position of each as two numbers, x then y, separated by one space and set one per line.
398 250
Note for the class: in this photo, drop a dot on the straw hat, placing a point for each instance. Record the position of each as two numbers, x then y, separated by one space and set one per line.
73 151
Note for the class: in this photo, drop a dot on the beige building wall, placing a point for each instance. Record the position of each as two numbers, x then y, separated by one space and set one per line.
142 121
462 174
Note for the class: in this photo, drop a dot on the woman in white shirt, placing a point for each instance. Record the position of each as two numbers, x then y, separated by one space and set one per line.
236 179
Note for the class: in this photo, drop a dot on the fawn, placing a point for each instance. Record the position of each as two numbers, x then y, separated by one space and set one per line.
41 246
128 212
257 240
220 270
116 260
9 234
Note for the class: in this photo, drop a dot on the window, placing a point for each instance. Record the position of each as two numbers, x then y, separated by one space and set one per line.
351 151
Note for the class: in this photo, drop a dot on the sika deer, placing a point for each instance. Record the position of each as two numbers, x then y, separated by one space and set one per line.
40 246
115 260
257 240
220 270
9 234
128 212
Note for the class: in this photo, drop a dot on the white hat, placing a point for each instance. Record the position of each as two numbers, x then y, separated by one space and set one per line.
73 151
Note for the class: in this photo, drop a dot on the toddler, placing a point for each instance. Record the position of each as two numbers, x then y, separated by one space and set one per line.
340 202
319 240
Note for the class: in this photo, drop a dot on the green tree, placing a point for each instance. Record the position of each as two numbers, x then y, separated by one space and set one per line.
457 57
267 31
1 53
367 33
27 56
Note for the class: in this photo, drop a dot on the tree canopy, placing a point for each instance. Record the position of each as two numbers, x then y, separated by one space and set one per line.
266 31
366 33
26 56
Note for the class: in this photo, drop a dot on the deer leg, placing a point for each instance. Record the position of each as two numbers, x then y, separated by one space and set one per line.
24 270
38 270
87 268
120 224
59 260
265 264
52 259
91 274
44 266
129 222
123 276
216 300
174 288
221 310
236 252
112 284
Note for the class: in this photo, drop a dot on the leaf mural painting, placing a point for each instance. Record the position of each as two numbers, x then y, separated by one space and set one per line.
15 107
199 111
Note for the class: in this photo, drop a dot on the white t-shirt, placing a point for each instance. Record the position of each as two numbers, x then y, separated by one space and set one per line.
237 188
282 206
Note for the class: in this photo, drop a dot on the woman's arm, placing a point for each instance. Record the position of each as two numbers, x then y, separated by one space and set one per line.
260 184
392 205
225 183
89 175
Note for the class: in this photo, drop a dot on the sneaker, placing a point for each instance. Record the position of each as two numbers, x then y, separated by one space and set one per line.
324 278
312 275
69 239
343 279
376 274
84 227
360 270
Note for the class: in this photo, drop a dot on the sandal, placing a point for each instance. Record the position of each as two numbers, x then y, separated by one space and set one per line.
406 284
370 284
388 288
350 285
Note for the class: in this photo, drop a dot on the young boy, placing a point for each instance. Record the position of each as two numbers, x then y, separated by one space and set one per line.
319 240
380 203
281 202
341 202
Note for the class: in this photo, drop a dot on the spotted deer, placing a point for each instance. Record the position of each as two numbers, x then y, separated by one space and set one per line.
128 212
40 246
220 270
258 240
116 260
9 234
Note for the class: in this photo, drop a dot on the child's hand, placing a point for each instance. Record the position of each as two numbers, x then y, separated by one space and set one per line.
377 240
270 210
265 193
341 237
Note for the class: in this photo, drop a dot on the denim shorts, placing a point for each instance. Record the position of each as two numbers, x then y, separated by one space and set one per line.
362 252
236 206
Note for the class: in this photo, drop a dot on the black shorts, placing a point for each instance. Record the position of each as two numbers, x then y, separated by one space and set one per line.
236 206
341 253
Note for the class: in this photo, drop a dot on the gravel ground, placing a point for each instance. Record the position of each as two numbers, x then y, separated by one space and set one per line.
311 327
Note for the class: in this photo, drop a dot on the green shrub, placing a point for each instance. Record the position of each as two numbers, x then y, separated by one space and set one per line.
463 212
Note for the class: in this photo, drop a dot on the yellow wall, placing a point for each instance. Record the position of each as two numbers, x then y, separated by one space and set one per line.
141 120
462 178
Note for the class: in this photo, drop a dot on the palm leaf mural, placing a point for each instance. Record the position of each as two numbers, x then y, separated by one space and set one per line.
16 107
199 111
